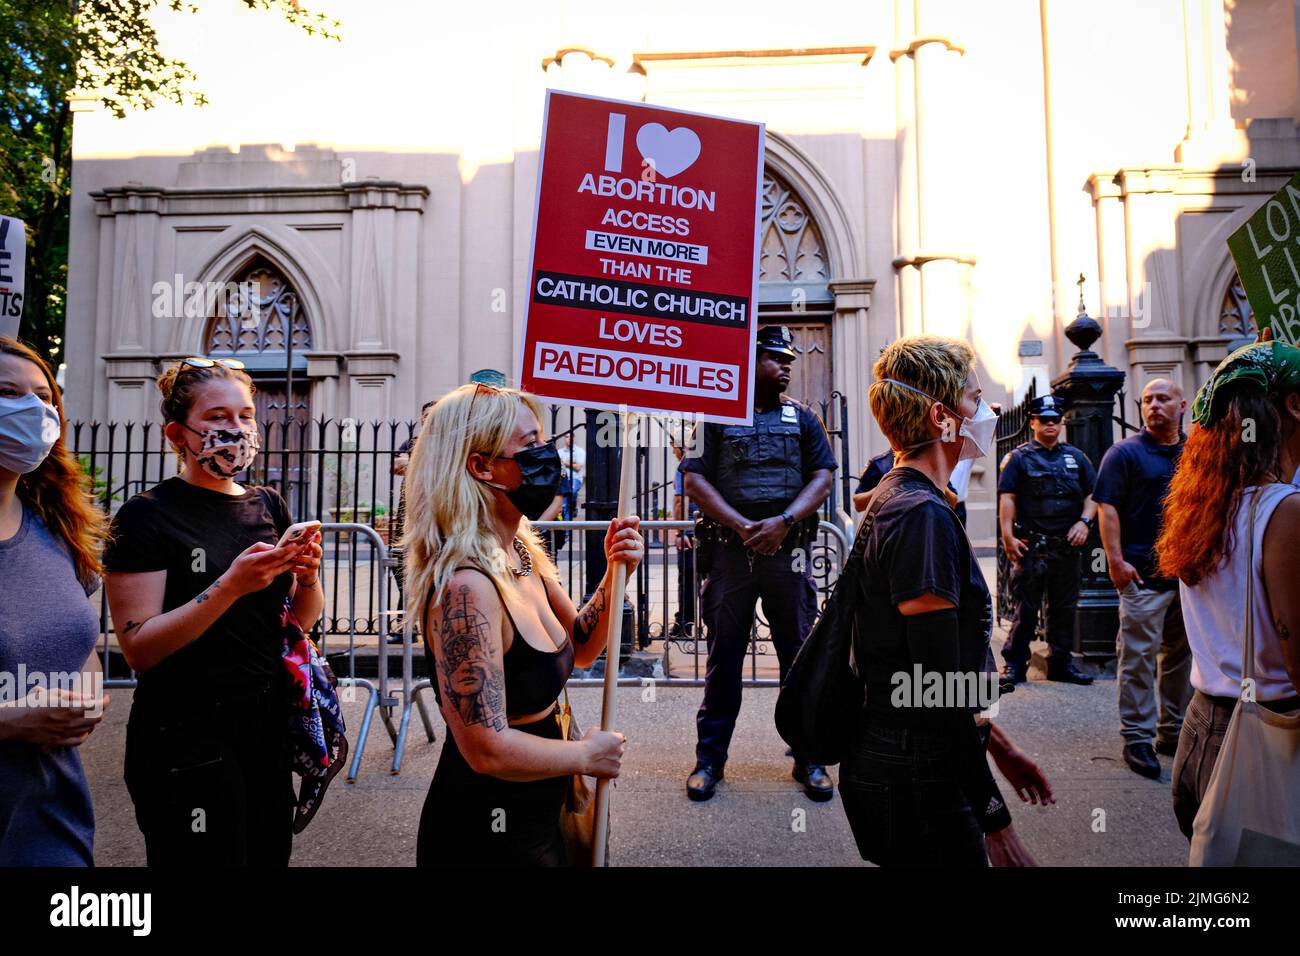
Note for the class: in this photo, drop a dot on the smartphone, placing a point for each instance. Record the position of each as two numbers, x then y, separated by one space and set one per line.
297 533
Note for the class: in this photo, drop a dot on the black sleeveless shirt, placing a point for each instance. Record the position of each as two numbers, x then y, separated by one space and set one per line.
534 679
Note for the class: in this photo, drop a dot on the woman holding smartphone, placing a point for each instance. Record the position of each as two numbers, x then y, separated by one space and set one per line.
196 585
501 634
50 536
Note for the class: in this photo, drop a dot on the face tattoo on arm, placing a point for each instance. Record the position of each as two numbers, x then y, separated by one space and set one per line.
473 682
585 623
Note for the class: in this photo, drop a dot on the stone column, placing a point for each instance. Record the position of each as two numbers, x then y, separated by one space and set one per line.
1157 346
1112 263
1212 136
854 352
934 269
129 241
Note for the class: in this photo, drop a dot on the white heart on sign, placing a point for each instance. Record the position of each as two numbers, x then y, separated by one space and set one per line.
669 152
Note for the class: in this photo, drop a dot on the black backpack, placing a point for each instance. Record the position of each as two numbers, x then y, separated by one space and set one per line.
820 703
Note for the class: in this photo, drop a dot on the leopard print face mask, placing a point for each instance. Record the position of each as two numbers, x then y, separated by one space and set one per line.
226 452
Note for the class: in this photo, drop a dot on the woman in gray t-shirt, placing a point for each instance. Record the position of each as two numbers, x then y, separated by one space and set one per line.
50 681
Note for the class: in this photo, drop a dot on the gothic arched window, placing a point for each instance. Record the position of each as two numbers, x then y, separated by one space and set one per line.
791 249
1236 317
258 315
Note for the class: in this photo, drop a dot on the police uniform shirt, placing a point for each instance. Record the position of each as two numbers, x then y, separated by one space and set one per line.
1049 484
752 466
876 469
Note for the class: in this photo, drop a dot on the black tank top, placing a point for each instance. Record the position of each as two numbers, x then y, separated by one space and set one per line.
534 679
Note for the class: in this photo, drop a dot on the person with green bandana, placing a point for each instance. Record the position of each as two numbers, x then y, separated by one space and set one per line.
1239 463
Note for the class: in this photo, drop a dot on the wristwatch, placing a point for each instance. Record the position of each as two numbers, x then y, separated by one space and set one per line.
787 518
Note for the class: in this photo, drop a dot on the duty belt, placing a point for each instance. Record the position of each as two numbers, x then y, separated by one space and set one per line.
1038 539
800 533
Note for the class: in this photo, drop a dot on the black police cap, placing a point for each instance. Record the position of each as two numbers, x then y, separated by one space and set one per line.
776 339
1046 406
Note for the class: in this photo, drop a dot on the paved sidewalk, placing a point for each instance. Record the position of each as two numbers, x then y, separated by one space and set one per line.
1105 814
755 817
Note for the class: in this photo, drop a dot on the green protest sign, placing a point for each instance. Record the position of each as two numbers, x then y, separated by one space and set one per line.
1267 253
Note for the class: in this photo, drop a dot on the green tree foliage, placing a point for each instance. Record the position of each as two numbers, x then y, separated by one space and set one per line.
103 48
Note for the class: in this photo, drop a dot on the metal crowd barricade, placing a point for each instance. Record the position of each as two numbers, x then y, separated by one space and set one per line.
840 538
378 696
410 695
381 697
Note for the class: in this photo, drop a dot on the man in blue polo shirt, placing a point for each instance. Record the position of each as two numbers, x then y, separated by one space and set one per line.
1151 645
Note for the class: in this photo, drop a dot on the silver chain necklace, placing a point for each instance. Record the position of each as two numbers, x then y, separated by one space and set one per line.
525 560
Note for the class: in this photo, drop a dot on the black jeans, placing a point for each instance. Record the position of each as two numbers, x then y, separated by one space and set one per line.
1054 569
904 803
790 606
210 778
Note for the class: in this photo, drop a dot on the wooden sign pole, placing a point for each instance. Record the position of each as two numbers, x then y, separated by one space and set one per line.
608 713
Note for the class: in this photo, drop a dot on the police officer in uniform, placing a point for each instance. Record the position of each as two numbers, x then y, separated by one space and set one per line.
760 488
1045 511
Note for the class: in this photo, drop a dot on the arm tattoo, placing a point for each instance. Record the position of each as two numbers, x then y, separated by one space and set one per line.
472 679
1282 630
131 626
208 593
585 623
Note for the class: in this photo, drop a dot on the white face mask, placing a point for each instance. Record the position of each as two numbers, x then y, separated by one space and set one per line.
976 432
28 430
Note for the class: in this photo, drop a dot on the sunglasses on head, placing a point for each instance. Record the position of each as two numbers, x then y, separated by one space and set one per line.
479 389
198 361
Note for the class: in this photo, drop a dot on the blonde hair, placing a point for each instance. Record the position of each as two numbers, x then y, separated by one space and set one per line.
935 364
448 510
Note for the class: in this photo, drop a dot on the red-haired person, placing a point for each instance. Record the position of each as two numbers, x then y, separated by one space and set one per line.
1242 456
50 537
197 585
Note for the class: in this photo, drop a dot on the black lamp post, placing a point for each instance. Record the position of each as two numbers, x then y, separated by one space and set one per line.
1088 387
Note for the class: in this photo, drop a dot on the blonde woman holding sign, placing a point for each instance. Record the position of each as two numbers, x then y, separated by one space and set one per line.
501 635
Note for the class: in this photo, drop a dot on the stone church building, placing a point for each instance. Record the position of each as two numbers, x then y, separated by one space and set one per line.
931 165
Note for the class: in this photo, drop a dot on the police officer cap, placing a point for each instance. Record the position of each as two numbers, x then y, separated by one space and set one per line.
1046 406
777 339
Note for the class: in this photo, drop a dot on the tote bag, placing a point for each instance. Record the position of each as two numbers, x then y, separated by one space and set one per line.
1250 814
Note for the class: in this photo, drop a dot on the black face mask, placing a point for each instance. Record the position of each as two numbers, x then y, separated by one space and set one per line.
539 471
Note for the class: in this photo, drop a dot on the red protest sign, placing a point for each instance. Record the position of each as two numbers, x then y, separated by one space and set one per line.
644 272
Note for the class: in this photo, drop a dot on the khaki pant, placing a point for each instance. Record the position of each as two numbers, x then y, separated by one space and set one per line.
1152 651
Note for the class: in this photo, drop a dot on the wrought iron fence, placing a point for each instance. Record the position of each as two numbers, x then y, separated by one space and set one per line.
343 472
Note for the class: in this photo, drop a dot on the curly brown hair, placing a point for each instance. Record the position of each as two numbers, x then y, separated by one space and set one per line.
1241 449
59 491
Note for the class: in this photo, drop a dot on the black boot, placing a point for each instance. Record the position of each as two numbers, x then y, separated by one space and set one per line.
816 781
1067 673
702 782
1141 759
